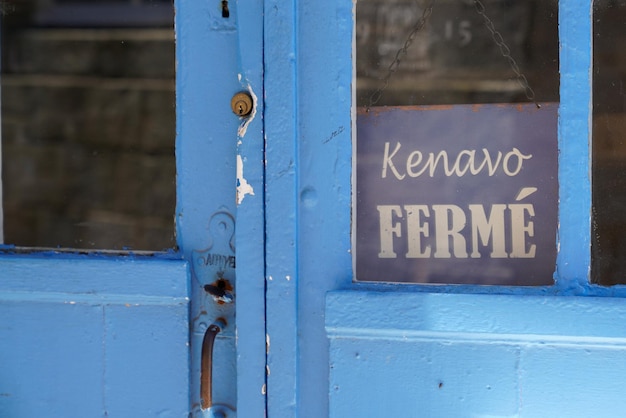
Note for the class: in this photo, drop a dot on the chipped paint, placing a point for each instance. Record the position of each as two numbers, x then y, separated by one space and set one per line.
243 187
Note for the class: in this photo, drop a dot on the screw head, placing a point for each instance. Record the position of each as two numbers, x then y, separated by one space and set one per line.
241 104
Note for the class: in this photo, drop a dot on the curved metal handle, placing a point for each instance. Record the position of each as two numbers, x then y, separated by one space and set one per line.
206 365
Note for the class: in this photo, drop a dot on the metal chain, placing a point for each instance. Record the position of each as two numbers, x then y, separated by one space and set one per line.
506 52
496 36
395 64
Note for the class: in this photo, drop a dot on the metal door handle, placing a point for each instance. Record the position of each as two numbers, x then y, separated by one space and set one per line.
206 366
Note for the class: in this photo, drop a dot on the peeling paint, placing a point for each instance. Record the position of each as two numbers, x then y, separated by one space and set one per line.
243 187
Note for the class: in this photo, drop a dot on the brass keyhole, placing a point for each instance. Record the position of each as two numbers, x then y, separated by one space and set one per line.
241 104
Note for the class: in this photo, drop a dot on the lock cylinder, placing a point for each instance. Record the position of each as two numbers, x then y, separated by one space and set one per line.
242 104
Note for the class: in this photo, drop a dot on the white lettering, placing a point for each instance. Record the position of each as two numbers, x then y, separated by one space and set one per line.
388 162
415 158
388 229
457 164
415 230
520 228
520 160
418 163
449 228
485 229
487 161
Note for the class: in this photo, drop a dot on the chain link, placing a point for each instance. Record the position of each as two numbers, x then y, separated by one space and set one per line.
506 52
395 64
421 22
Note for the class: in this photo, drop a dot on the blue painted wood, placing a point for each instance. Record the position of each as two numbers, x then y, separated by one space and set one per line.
250 233
492 354
506 360
218 57
324 194
421 354
282 162
93 336
308 75
128 317
575 38
205 152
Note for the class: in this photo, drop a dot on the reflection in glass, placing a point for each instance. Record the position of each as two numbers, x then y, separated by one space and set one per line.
454 58
88 124
609 143
446 91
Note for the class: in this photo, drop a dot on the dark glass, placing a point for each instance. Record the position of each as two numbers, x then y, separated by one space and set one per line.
88 124
608 248
454 58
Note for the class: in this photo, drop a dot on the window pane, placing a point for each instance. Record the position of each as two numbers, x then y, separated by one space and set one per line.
454 57
88 124
609 143
456 145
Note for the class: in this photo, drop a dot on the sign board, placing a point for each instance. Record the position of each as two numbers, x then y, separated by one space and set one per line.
464 194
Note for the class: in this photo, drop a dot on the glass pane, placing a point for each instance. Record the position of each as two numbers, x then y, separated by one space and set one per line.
456 145
609 144
466 51
88 124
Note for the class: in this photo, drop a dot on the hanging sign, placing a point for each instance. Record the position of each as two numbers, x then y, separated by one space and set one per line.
463 194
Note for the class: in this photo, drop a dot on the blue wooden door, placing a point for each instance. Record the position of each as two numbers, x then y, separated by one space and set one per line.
341 348
102 335
88 334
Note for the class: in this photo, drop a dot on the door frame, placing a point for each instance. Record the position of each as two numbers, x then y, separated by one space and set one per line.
220 170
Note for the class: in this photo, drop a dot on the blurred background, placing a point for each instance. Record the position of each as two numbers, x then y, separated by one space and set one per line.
455 58
88 123
608 256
